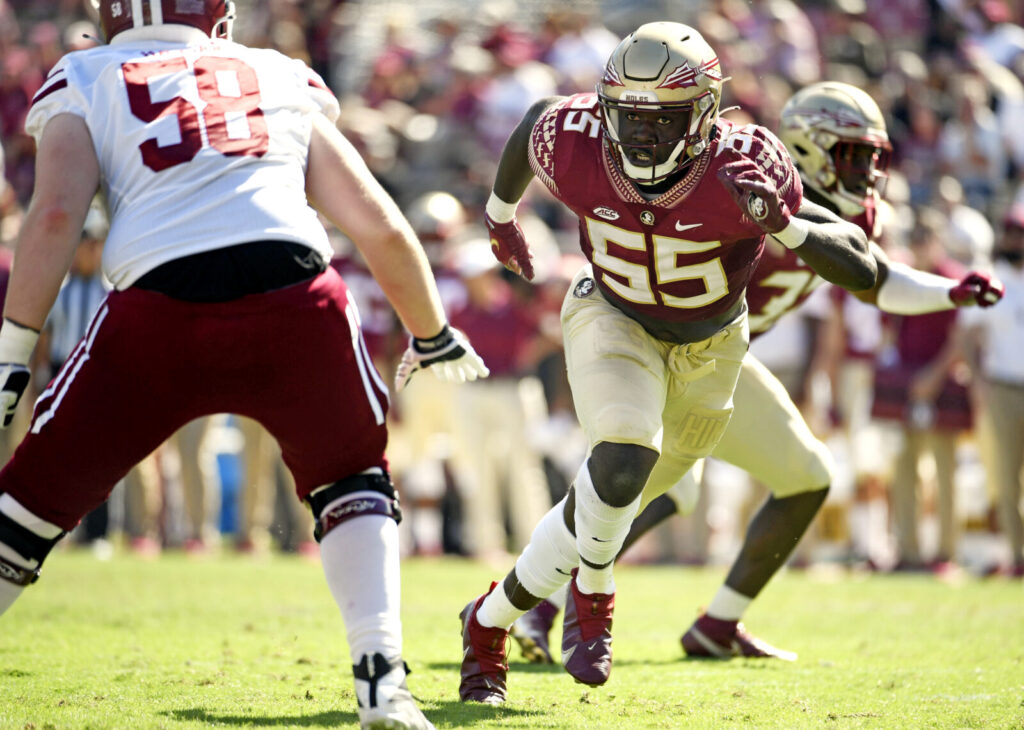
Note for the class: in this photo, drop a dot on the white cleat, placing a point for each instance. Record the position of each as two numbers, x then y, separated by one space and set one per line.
385 702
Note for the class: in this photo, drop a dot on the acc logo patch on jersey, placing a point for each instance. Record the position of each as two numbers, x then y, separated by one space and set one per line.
584 288
607 213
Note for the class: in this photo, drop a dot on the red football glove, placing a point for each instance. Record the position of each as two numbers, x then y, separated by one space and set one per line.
754 192
509 246
977 288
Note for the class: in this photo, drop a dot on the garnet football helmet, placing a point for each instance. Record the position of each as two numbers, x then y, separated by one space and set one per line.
665 67
837 137
213 17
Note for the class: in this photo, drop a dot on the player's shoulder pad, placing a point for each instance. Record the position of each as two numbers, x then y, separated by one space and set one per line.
313 84
59 93
303 78
553 133
318 90
761 145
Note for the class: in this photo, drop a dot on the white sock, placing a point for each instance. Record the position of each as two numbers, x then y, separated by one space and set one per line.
361 563
600 531
497 610
543 569
12 508
728 605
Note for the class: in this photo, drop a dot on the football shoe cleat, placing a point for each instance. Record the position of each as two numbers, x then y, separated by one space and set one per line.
484 660
587 635
531 632
385 702
711 638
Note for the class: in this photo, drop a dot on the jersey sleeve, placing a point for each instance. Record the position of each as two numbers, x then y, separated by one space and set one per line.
778 165
322 96
542 146
764 148
61 93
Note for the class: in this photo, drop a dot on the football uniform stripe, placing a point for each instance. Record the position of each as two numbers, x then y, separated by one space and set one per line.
47 90
67 374
371 396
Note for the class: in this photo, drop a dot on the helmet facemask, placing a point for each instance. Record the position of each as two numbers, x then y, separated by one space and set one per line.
681 150
861 167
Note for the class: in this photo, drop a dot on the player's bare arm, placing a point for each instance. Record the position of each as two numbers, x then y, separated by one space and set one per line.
836 249
513 176
67 176
514 173
341 186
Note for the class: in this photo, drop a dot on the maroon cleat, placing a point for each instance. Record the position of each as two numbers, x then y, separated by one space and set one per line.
712 638
531 632
484 666
587 635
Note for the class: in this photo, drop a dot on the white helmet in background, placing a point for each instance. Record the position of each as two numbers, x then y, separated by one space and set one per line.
437 217
662 67
837 137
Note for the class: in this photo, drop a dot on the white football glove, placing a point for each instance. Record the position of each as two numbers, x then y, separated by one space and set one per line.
449 354
16 344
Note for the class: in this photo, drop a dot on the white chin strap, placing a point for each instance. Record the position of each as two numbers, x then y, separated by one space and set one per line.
644 174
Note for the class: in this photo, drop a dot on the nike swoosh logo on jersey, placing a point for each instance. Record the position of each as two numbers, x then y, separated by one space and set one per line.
567 654
681 227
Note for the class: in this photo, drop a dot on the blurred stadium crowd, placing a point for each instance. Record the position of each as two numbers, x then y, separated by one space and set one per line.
430 91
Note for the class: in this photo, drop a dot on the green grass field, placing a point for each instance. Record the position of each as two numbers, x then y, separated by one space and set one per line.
233 642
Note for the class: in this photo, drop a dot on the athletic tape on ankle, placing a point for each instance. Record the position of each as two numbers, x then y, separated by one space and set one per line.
545 564
600 528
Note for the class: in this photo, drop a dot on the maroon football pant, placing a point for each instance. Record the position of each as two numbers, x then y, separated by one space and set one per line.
292 359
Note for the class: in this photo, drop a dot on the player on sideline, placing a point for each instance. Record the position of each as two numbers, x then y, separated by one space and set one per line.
205 151
837 137
674 205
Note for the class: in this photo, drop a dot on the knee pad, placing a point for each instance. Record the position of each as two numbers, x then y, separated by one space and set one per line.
354 496
31 547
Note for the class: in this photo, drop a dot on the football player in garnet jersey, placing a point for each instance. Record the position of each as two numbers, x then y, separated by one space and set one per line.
205 151
674 205
837 136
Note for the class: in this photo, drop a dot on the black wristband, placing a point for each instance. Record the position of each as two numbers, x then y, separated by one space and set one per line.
435 343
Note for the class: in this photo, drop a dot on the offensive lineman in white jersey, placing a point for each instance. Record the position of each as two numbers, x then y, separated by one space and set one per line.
205 151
